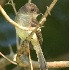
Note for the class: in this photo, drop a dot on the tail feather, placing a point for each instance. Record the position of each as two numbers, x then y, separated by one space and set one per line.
41 62
40 56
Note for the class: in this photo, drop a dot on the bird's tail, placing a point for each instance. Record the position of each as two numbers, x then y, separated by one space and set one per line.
37 48
41 59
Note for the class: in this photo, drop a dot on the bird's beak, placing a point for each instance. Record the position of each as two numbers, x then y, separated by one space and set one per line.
38 12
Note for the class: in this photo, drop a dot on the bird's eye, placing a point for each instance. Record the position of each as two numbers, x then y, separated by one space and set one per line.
32 10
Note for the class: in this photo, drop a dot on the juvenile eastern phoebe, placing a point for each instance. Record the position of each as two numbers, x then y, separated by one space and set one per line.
26 17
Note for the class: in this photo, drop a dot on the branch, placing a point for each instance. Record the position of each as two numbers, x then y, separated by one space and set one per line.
10 2
8 59
4 62
58 64
55 64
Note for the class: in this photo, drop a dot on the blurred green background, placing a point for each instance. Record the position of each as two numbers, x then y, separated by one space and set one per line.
55 31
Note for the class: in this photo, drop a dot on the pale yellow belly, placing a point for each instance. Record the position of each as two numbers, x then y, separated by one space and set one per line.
22 34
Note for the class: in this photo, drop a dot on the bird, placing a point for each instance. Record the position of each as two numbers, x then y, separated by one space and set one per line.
27 17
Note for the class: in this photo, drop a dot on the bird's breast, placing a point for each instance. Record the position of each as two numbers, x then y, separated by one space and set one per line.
24 20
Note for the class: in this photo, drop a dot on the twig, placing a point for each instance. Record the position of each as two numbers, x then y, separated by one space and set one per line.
12 4
4 63
14 23
8 59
